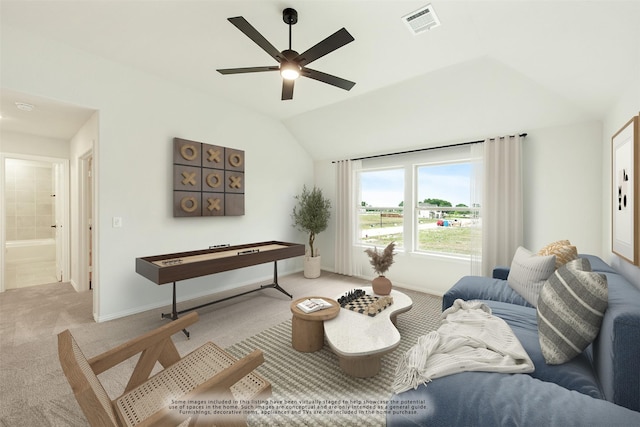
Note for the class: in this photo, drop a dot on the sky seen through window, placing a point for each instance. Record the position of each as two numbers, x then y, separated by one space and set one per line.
450 182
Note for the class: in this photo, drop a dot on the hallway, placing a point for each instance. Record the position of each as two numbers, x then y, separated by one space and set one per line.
23 274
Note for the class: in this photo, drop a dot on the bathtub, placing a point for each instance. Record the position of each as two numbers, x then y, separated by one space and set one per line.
17 251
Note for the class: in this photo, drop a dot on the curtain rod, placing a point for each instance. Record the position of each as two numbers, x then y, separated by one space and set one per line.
417 150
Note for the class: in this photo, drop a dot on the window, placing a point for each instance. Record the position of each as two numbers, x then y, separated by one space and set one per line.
422 201
381 211
444 212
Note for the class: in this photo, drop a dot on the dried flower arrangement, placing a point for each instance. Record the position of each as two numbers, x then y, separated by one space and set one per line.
381 261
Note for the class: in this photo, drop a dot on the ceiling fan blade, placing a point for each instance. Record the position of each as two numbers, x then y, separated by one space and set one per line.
287 89
247 70
328 45
328 78
244 26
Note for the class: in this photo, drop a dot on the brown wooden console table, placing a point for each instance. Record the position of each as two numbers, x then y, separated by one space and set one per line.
171 268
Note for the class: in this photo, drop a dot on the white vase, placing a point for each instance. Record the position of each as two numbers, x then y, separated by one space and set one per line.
312 267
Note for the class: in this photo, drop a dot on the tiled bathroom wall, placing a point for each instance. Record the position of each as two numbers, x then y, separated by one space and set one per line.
29 205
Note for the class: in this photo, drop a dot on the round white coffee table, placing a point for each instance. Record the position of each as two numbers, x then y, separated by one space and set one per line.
360 340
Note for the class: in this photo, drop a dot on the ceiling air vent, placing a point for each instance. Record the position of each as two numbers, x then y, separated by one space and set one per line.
422 19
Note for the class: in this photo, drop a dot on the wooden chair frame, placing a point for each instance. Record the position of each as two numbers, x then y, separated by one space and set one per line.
154 346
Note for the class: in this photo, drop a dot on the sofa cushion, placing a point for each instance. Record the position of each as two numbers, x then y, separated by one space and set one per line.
478 287
562 249
570 311
614 352
529 273
495 399
577 375
617 346
597 264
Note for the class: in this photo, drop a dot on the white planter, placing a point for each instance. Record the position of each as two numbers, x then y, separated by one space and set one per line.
312 267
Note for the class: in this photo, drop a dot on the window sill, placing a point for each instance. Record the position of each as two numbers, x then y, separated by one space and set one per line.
437 255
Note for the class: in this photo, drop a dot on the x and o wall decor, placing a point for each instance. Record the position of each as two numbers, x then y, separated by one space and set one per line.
208 180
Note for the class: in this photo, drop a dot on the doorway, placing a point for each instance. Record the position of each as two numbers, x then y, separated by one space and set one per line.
35 217
86 253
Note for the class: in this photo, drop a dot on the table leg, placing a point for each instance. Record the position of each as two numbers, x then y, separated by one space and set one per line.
275 284
174 310
306 335
361 367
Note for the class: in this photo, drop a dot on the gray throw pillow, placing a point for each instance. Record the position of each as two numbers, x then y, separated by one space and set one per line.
529 273
570 311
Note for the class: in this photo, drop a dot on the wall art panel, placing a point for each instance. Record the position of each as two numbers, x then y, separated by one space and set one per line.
208 180
625 206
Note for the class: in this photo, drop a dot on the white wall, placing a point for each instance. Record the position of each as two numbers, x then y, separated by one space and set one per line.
81 144
628 105
140 115
20 143
562 176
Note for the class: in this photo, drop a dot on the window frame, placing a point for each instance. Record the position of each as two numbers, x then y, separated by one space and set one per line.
358 182
416 224
410 162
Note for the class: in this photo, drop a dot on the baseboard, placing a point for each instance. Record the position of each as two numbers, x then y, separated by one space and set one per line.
213 295
437 293
125 313
427 290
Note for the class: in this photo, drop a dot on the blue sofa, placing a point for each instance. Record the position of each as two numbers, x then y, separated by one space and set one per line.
600 387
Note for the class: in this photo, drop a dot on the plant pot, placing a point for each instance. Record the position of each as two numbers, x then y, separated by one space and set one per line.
381 285
312 267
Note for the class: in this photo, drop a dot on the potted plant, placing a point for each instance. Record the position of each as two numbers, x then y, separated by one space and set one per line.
311 215
381 263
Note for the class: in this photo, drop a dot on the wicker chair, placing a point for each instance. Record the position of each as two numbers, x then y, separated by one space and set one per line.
208 373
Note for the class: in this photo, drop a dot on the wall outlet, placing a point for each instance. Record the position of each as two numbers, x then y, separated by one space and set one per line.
117 222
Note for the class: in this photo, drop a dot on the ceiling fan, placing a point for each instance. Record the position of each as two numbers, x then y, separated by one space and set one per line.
292 64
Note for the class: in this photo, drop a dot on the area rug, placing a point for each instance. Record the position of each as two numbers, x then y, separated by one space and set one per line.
311 389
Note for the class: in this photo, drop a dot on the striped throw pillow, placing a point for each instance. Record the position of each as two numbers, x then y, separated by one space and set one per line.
529 272
570 310
562 249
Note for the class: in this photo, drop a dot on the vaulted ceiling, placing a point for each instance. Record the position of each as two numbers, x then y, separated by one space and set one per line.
492 66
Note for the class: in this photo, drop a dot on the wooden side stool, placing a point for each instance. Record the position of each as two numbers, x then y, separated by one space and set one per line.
307 329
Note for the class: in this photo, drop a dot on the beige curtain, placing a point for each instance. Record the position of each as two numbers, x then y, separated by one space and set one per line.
345 216
502 209
477 174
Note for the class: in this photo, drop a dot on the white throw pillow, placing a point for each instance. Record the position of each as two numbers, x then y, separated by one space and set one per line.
529 272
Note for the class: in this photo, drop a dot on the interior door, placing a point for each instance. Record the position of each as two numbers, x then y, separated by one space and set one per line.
58 180
90 218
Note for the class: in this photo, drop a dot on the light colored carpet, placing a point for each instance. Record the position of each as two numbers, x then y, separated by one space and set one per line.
34 391
311 389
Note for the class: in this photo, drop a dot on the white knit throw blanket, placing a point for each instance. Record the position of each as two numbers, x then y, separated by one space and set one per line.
469 338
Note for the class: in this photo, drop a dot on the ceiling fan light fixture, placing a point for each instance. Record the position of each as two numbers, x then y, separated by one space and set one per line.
289 71
24 106
292 64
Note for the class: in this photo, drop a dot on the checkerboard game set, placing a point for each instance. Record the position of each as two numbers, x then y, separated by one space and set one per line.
359 302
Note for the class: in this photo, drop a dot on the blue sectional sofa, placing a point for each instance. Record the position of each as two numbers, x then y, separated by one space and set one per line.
600 387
